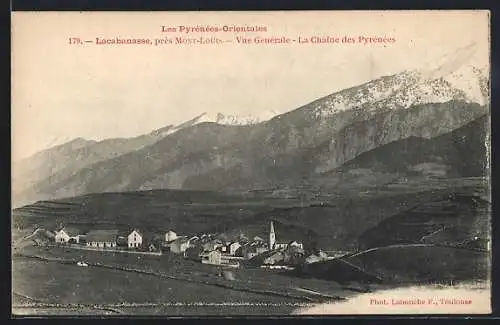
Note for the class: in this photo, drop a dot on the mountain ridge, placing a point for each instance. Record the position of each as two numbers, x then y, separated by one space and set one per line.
178 161
311 139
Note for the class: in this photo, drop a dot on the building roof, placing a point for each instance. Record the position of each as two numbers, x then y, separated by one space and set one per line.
180 240
146 234
137 231
205 253
102 235
259 259
70 231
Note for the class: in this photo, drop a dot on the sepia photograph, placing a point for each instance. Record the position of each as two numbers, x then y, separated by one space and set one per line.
265 163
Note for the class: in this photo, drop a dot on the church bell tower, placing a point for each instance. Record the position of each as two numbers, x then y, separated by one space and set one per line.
272 237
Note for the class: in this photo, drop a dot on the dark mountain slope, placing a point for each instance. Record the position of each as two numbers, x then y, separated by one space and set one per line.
461 152
59 163
457 218
284 150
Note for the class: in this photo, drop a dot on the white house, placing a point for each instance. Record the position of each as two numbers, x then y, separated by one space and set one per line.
274 258
134 239
170 235
233 247
280 245
296 244
66 234
179 245
213 257
211 245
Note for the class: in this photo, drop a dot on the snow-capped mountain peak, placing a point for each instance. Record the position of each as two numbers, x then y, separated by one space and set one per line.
454 77
225 119
222 119
463 71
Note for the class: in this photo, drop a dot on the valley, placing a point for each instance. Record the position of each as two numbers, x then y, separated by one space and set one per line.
378 186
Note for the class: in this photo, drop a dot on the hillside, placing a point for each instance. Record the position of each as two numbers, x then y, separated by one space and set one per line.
462 152
453 220
61 162
282 151
328 223
404 264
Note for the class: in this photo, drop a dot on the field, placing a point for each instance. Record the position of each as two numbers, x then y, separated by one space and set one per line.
406 264
159 284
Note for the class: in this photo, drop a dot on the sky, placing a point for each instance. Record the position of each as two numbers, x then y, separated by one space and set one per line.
62 91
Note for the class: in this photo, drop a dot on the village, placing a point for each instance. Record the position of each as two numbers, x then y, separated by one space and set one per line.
210 248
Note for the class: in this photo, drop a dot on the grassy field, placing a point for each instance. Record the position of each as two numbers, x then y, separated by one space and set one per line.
54 283
69 284
173 286
406 264
184 286
423 263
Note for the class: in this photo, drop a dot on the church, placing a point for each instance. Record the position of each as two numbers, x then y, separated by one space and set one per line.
273 245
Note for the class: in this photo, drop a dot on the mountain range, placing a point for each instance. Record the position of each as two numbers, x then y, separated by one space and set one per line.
430 123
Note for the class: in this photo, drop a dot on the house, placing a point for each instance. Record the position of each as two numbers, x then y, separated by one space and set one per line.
150 240
134 239
211 245
223 248
261 249
279 246
274 258
318 257
195 241
213 257
294 257
295 243
122 241
170 236
233 247
152 247
268 258
66 234
242 238
258 239
179 245
240 251
252 250
102 238
81 239
295 246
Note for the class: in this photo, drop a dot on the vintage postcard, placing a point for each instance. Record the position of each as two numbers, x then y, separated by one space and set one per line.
251 163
